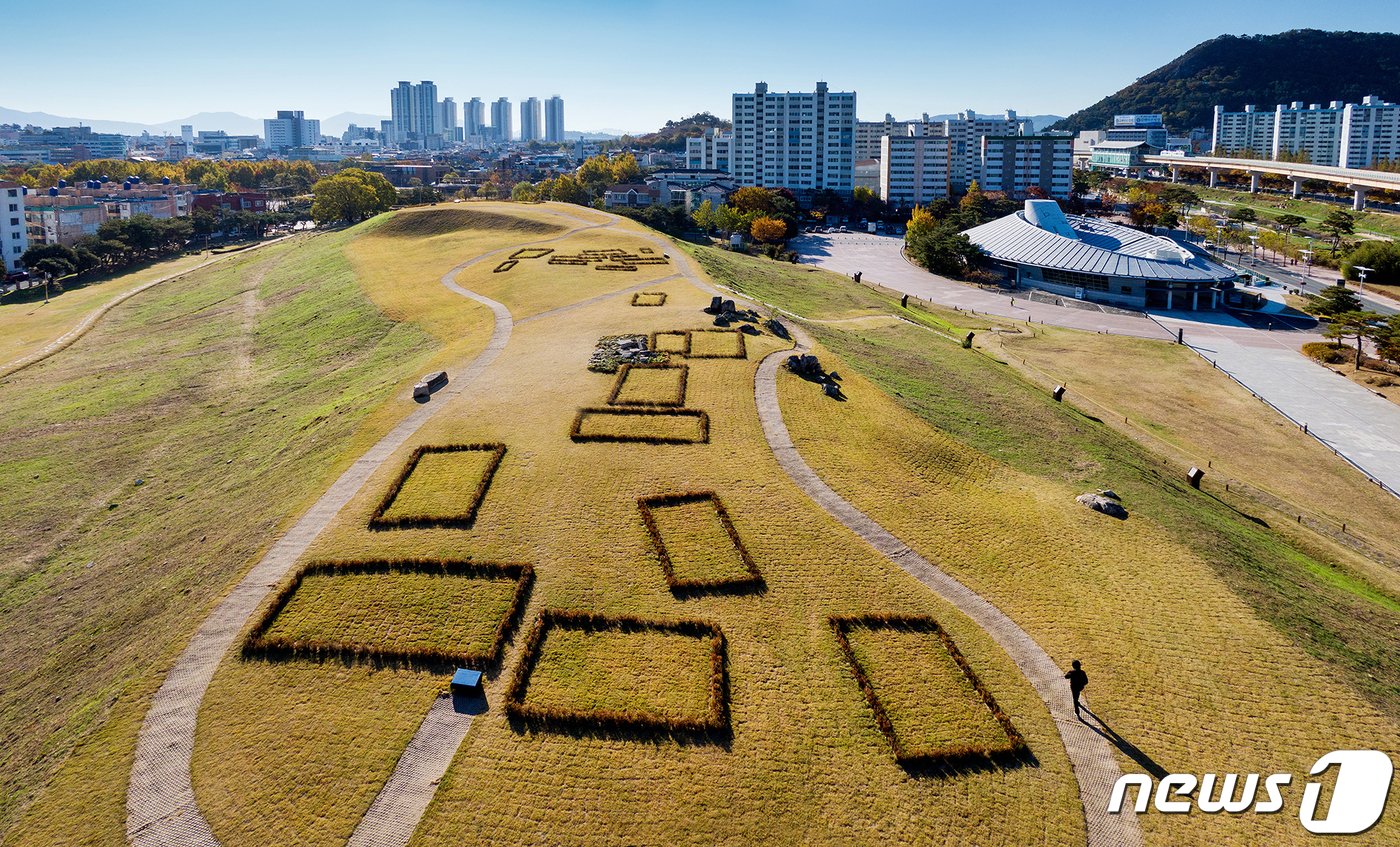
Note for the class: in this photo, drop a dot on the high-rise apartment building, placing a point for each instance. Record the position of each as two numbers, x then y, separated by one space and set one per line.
501 128
1370 133
870 133
1250 131
965 134
531 120
447 119
801 141
711 151
14 235
1022 165
1313 130
474 117
554 120
914 169
291 129
416 115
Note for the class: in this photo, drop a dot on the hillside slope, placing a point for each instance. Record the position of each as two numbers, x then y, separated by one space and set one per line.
1302 64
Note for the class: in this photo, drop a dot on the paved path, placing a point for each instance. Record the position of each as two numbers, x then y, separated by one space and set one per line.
880 261
1089 752
161 809
1357 424
64 341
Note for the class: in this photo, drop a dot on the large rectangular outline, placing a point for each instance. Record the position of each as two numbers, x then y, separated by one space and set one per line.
626 369
258 645
576 434
952 757
753 580
690 345
464 520
713 726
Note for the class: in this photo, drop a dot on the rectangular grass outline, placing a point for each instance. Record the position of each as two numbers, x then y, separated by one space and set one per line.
716 717
461 520
706 339
676 397
948 757
635 415
679 583
649 298
258 644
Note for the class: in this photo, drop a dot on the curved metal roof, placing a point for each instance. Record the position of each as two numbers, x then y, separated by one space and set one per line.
1101 248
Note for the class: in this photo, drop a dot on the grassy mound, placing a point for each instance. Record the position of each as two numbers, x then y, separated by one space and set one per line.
440 220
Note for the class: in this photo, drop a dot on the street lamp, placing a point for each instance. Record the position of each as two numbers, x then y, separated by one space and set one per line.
1307 268
1361 272
1253 249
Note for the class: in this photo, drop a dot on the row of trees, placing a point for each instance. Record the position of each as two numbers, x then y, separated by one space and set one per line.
295 177
1348 319
117 244
767 215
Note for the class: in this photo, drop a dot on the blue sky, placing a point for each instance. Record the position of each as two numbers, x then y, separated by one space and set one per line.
624 64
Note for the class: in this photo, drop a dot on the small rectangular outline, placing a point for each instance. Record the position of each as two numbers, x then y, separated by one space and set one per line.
624 370
751 580
462 521
640 411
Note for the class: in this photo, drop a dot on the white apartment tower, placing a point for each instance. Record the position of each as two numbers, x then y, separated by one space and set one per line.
448 120
290 129
1370 133
711 151
914 169
501 127
870 133
801 141
14 237
965 134
415 113
531 120
1236 132
1314 130
474 117
554 120
1016 164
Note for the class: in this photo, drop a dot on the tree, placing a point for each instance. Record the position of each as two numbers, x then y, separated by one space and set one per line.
1334 300
1338 224
768 230
55 260
1382 257
921 224
973 204
942 249
568 189
625 169
1243 214
523 192
1387 339
751 199
1351 324
728 219
704 216
1290 221
341 198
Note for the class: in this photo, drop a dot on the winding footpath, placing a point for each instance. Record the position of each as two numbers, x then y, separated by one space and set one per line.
160 807
1089 752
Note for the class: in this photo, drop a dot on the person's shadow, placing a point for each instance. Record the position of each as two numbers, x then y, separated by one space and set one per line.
1127 747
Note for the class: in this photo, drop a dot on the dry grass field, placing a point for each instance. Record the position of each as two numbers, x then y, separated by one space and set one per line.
662 385
1202 630
696 542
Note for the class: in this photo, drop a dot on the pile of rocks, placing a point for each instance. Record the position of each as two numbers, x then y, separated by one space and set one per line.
727 313
1105 501
613 351
809 367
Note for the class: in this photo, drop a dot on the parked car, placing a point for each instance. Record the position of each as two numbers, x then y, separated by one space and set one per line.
843 229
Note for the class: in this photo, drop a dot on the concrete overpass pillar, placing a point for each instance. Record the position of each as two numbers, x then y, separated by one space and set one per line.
1254 183
1358 202
1214 174
1174 174
1297 187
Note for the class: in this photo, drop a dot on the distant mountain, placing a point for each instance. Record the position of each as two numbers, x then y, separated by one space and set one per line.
230 122
1263 70
672 136
593 135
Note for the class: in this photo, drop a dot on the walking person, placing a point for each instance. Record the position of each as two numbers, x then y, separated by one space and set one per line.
1077 680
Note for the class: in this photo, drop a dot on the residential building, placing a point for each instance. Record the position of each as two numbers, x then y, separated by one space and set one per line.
474 117
866 174
1370 133
1314 131
64 215
713 150
633 196
531 120
1091 259
68 144
230 201
802 141
501 127
1084 144
914 169
1022 166
290 129
416 115
65 223
217 142
964 134
14 231
187 134
554 120
1248 132
447 119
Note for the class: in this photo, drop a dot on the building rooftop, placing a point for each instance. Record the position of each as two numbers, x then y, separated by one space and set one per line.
1043 236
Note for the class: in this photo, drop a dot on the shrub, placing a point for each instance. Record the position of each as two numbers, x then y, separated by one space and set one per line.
626 370
532 252
576 433
504 266
750 580
258 644
714 723
1328 353
948 757
465 519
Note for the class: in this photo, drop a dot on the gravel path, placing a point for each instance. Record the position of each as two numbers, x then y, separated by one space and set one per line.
1089 752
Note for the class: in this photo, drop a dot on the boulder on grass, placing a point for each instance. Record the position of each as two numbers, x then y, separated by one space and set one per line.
1105 505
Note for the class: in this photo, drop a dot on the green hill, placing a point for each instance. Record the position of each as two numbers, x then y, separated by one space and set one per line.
672 136
1302 64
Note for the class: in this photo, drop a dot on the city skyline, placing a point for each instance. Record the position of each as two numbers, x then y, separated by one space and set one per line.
639 93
